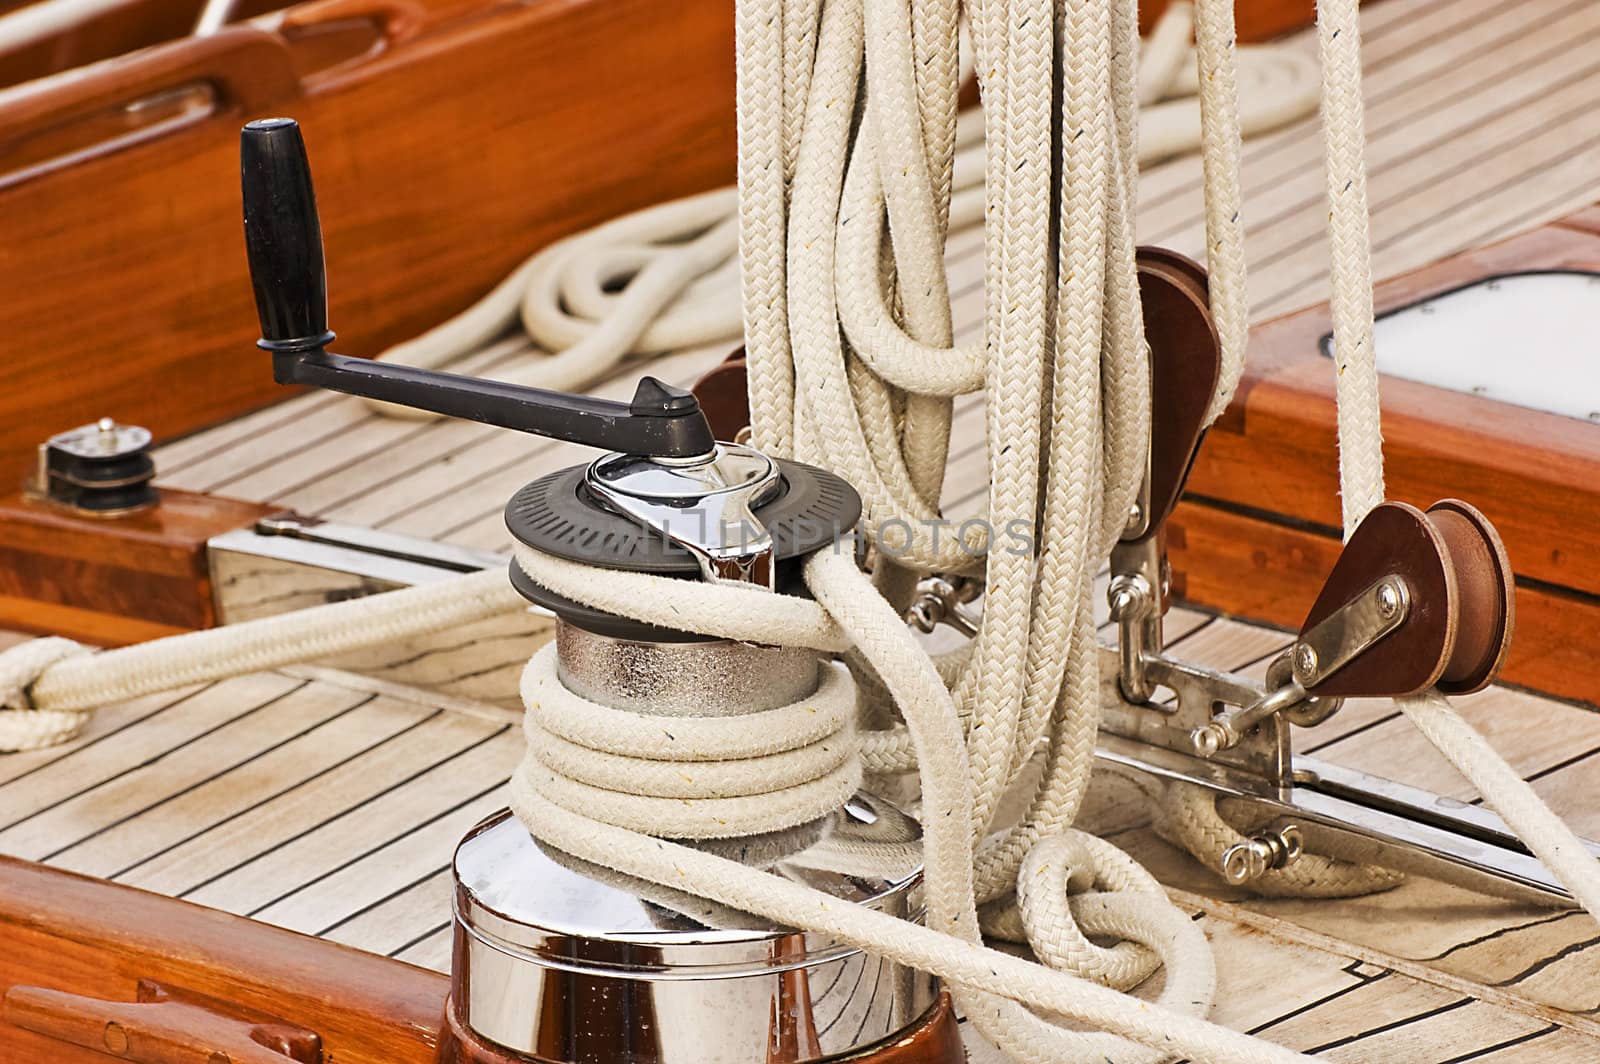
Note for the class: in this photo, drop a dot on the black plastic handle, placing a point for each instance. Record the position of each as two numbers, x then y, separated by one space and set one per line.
283 238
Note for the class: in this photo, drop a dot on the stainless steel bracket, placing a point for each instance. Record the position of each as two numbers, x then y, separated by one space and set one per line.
705 505
1351 630
1230 735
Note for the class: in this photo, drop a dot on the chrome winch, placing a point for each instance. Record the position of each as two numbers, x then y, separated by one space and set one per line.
556 960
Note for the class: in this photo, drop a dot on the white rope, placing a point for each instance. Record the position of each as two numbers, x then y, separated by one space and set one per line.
1187 816
1361 446
82 682
1508 794
23 725
849 180
1126 904
1049 347
691 777
648 282
658 279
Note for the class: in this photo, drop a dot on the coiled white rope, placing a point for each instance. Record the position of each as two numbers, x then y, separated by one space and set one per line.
1063 368
24 725
691 777
1112 896
658 280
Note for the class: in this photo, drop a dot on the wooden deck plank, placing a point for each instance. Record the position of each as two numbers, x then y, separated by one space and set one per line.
360 853
132 740
263 881
438 735
388 871
106 723
316 754
352 840
167 774
1535 734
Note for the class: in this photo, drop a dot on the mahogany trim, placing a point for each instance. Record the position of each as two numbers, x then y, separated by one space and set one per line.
84 936
443 159
1254 20
1536 475
113 580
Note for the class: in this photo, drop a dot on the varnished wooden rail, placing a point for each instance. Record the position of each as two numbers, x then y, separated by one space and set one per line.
443 159
1259 531
82 936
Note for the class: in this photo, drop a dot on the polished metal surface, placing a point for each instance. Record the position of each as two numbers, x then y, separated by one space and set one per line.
1284 697
1247 861
938 600
715 678
1351 630
1136 596
1358 820
1199 695
259 571
103 439
579 965
706 506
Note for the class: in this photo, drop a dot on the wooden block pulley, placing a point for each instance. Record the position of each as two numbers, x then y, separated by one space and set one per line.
1417 599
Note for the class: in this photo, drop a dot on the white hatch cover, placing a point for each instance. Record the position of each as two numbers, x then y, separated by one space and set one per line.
1530 339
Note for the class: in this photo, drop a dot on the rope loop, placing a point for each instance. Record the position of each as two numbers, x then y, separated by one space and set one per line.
22 725
1059 877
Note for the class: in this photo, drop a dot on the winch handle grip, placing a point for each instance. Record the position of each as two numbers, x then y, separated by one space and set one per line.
283 239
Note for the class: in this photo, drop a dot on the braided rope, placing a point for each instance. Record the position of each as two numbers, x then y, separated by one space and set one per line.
990 984
1061 366
691 777
1361 447
23 725
657 279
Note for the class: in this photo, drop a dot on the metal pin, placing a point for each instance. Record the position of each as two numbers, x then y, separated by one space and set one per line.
1253 858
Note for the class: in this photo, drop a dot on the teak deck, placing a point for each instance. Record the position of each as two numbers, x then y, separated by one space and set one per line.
329 803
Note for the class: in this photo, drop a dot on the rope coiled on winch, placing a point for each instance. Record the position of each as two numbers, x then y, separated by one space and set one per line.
848 129
950 946
692 777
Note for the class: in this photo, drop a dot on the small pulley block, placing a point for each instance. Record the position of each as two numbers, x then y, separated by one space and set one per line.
102 469
668 497
1185 364
1417 599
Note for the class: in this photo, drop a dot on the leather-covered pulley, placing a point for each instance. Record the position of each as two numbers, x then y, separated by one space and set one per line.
1185 364
1461 614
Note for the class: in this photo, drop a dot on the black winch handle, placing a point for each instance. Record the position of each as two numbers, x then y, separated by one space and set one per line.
283 237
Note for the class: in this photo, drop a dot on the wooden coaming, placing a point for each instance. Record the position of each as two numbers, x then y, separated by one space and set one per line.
112 580
443 159
1259 531
86 937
